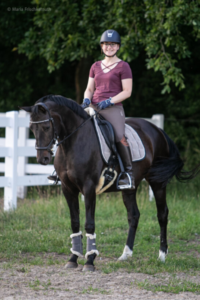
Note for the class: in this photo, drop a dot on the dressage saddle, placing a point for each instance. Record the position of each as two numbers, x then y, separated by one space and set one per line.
108 134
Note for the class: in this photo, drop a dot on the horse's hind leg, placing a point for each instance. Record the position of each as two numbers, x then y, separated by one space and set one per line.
77 249
129 198
162 214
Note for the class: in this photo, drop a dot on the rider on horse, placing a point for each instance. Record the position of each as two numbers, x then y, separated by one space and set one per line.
110 83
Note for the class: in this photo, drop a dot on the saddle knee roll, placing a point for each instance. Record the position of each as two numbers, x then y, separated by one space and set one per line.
91 245
77 245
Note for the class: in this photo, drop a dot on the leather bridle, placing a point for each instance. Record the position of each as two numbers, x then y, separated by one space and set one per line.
52 142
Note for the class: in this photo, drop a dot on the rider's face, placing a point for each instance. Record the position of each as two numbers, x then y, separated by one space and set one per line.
109 48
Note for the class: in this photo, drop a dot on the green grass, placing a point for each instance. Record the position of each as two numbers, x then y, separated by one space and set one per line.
36 284
173 286
43 226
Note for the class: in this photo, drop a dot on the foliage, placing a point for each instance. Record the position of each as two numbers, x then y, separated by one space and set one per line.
23 81
71 30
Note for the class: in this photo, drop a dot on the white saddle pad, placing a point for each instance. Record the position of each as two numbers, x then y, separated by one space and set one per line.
134 141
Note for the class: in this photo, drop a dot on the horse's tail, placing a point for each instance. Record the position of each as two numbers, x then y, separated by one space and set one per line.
164 168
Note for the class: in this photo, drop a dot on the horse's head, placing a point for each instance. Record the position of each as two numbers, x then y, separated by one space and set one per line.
45 127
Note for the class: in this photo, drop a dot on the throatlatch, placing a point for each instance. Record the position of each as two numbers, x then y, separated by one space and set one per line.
77 245
91 245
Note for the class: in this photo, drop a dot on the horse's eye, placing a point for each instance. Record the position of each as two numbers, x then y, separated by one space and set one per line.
46 128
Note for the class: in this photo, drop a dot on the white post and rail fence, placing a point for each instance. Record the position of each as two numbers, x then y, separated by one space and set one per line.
16 147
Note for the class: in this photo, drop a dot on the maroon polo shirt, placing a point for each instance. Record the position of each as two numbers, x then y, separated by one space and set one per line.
109 84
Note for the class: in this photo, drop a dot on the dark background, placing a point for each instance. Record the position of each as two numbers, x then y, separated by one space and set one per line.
28 72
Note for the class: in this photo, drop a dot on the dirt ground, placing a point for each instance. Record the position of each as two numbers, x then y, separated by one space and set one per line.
56 282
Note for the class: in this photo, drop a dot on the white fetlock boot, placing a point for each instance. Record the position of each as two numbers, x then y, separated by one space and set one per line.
126 253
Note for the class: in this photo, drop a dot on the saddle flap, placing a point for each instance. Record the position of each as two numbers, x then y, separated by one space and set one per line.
108 133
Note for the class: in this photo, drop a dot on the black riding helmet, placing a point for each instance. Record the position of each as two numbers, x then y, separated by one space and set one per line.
111 36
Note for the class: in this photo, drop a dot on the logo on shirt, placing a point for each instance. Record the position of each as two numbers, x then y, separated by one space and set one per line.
110 34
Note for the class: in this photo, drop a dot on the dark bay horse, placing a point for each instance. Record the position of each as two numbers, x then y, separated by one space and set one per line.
78 163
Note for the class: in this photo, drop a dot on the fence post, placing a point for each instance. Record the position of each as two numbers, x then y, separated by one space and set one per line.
10 192
158 121
22 160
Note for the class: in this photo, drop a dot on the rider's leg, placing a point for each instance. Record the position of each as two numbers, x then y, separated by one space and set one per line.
125 153
115 115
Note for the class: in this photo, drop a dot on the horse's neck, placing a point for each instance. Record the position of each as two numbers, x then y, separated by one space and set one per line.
71 122
77 144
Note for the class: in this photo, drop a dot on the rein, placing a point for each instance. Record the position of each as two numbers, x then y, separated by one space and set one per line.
53 141
65 138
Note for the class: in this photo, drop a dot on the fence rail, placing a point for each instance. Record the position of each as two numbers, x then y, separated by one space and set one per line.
16 147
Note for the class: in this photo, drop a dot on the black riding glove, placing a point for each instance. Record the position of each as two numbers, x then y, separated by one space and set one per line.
86 103
105 104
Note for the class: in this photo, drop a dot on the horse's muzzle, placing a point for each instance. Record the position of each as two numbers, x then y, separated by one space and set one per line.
43 157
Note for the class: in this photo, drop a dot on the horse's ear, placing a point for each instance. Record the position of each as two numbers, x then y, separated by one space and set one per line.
26 108
42 109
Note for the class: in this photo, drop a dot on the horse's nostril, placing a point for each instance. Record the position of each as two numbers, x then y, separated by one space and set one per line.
43 158
46 160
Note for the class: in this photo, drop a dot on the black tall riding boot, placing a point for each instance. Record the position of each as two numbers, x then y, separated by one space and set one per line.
125 154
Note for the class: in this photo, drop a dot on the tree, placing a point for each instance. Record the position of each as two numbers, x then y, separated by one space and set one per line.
160 40
70 30
23 81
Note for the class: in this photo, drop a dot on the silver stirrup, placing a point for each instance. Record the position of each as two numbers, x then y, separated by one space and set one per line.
125 186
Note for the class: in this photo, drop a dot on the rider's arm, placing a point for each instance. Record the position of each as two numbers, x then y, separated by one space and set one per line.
90 88
126 91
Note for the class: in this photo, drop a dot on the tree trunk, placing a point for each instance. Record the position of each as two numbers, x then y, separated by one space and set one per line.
81 77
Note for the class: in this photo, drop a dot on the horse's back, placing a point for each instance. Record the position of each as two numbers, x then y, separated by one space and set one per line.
152 137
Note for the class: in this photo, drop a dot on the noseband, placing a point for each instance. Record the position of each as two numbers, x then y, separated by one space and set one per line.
52 142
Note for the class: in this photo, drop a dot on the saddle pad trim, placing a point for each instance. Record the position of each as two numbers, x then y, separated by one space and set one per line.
143 148
138 151
100 139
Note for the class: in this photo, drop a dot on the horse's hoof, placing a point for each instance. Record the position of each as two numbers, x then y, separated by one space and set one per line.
87 268
71 265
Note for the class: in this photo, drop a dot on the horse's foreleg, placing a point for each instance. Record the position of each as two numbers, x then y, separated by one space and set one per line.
129 198
77 248
162 214
90 202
